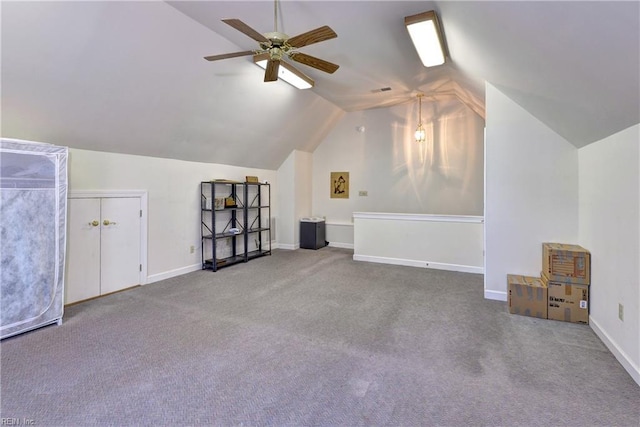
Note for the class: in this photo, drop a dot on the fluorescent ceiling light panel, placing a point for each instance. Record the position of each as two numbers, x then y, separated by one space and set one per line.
289 74
426 36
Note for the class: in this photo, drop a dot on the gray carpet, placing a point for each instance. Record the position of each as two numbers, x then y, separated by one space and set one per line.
312 338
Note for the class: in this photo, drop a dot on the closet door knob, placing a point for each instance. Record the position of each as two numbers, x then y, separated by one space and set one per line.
95 223
107 222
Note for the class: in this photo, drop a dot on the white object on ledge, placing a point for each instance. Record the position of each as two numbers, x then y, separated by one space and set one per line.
312 219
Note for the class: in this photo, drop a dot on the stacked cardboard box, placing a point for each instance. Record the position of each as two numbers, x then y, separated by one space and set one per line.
566 263
527 296
562 291
566 271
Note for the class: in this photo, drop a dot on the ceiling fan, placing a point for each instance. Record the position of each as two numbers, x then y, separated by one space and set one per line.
275 46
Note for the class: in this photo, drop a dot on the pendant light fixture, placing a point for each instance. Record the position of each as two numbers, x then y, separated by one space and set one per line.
420 134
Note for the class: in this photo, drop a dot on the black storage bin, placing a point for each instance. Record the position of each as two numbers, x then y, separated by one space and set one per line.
312 233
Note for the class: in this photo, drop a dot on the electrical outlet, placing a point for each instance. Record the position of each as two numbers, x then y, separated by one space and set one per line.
621 312
192 249
363 193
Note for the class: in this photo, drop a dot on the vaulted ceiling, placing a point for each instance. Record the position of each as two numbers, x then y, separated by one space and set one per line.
130 77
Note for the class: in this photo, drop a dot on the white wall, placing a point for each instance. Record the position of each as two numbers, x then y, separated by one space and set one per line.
609 227
340 234
294 198
286 204
173 188
302 181
398 174
445 242
531 193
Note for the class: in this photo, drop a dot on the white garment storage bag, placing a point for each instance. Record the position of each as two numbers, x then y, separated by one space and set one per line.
33 212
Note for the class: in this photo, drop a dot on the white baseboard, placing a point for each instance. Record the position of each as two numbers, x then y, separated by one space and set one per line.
495 295
288 246
184 270
341 245
619 354
173 273
416 263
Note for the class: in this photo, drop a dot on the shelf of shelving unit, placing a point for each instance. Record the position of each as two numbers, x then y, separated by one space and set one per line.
222 262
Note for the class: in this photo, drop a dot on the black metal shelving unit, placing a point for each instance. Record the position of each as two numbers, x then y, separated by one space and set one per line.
237 233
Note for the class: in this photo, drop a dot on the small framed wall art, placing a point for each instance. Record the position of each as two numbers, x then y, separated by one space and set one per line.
339 185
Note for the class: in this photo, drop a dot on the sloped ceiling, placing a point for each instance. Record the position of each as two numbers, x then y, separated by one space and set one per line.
130 77
574 65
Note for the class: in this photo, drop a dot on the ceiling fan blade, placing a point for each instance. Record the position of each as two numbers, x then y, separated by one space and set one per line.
229 55
312 61
311 37
244 28
271 73
264 56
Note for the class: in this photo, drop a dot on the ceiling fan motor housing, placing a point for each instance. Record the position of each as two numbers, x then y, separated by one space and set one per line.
276 38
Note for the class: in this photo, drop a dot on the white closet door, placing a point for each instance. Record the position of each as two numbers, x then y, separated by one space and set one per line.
120 244
83 252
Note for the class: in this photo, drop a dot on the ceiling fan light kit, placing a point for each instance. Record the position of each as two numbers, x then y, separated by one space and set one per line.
288 73
426 35
276 46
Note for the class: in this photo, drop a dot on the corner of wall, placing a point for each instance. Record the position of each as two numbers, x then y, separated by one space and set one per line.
531 191
609 227
294 196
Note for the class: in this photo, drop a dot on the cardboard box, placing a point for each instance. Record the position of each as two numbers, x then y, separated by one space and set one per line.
566 263
527 296
568 302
